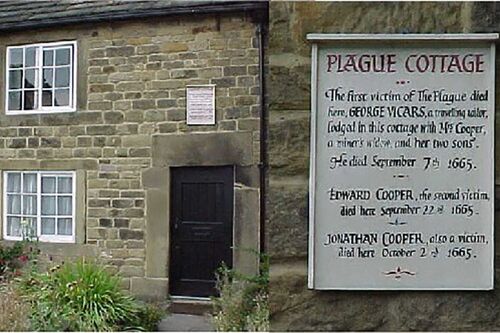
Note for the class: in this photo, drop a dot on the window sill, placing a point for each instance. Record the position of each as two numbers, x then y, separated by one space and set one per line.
39 112
43 240
62 250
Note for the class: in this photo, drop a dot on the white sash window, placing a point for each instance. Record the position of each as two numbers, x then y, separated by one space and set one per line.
41 78
39 204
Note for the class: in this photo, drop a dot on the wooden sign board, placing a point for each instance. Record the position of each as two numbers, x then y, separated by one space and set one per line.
402 162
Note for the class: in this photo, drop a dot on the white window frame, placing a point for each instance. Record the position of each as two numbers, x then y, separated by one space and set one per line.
72 82
42 238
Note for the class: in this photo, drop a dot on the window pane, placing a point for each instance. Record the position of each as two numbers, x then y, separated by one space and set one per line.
48 184
47 98
29 204
64 185
48 226
15 100
64 227
30 79
48 76
61 97
30 57
48 205
28 226
30 100
14 182
15 79
13 204
16 58
13 226
62 77
48 58
29 183
62 56
64 206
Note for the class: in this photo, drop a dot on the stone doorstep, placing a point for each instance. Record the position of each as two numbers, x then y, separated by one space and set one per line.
176 322
193 306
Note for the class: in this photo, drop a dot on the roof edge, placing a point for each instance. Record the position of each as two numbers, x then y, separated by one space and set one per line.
210 8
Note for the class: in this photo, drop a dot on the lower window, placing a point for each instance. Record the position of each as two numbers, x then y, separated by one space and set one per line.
39 204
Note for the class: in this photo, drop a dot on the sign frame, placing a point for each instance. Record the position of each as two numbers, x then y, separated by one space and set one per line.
212 116
318 39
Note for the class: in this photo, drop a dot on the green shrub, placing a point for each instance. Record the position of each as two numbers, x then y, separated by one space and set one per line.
147 319
258 319
78 297
242 304
12 259
13 310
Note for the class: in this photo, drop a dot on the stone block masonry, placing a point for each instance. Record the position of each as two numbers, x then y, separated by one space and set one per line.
293 306
132 78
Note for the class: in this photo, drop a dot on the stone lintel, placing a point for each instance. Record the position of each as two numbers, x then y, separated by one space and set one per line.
203 149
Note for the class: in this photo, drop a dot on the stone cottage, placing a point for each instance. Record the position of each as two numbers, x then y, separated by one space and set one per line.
97 157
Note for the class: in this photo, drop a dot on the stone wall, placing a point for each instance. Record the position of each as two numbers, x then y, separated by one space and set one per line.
293 306
132 77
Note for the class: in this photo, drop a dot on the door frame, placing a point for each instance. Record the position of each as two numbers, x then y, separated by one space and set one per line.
198 149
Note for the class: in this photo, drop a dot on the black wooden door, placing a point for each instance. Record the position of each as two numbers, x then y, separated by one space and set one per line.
201 228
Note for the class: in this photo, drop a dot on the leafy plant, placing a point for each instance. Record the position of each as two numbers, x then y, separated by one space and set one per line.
147 318
9 262
242 304
13 310
14 258
78 296
258 319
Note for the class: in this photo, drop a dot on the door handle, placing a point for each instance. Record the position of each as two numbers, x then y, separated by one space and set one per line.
176 223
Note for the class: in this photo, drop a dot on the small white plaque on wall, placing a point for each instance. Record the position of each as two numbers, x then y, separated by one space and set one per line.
402 167
200 104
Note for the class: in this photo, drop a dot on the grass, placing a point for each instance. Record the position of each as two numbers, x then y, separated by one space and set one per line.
82 296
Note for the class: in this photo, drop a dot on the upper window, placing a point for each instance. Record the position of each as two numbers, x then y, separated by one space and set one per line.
39 204
41 78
